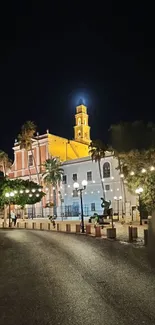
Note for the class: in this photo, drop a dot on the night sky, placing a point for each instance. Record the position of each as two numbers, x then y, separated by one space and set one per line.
51 57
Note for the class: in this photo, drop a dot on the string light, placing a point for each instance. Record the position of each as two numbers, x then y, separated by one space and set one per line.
132 173
122 175
93 181
112 177
143 170
152 168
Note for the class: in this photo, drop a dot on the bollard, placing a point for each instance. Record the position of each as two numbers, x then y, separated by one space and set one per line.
24 224
41 226
17 224
88 229
48 226
134 233
58 228
130 233
78 228
111 233
68 228
145 237
98 231
33 225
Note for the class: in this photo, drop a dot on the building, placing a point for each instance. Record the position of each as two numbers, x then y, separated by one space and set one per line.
77 166
84 169
47 145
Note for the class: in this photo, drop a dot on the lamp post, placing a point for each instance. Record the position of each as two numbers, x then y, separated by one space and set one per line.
9 195
118 199
139 191
80 190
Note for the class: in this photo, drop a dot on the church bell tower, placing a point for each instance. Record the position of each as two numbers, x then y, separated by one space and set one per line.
81 128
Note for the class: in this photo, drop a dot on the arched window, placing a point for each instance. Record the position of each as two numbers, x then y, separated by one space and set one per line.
79 121
106 170
79 134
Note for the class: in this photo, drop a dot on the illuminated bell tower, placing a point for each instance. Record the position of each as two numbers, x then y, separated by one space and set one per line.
81 128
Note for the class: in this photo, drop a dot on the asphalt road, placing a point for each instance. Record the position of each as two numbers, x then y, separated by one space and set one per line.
52 278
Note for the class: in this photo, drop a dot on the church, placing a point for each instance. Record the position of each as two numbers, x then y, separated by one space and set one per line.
77 165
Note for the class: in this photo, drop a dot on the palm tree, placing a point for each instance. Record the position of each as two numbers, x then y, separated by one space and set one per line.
5 162
52 175
25 138
120 167
97 151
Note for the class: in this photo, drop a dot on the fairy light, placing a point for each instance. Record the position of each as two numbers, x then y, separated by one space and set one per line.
93 181
152 168
132 173
143 170
122 175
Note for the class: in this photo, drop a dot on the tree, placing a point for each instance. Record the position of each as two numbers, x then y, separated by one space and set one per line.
97 151
138 168
5 162
23 192
133 145
125 137
25 138
52 175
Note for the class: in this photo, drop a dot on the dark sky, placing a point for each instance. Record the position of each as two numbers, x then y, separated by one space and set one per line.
52 56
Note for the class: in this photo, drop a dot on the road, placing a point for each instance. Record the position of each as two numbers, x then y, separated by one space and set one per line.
54 278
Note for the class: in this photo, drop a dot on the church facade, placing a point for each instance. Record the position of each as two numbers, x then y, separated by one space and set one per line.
77 166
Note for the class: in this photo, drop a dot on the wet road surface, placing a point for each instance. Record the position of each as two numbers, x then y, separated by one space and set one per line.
53 278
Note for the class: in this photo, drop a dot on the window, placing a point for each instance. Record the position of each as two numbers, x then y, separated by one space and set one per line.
106 170
75 177
107 187
89 176
79 121
92 206
30 161
75 193
64 179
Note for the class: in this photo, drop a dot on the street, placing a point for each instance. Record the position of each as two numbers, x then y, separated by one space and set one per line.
57 278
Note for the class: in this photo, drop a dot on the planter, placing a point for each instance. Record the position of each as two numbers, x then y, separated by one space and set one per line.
111 233
88 229
78 228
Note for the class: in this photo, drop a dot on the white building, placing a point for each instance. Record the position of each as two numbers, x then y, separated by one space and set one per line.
84 169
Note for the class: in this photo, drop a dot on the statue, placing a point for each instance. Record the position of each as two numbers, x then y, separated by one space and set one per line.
107 211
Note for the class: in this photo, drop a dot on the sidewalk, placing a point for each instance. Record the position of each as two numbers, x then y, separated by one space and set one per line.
45 224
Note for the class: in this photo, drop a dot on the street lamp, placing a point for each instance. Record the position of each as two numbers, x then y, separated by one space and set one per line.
9 195
139 191
118 199
80 190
